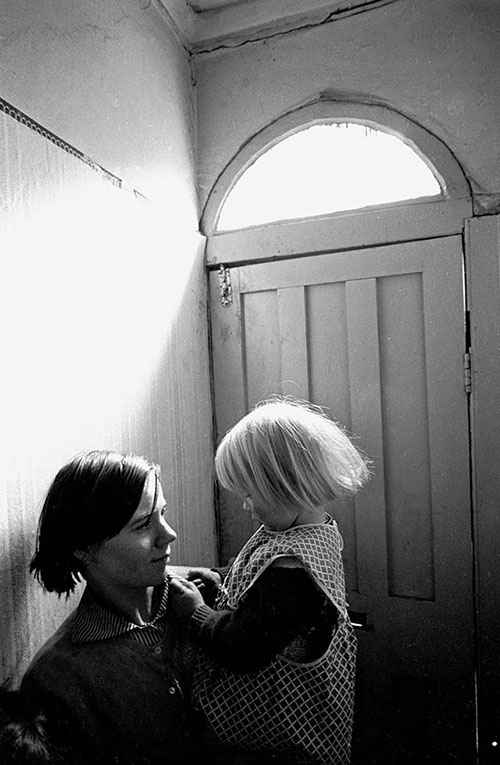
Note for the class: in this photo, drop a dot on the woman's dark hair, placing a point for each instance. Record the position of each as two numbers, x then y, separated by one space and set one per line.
91 499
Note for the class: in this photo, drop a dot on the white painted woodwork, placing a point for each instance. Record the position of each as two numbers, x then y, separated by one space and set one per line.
433 151
337 232
482 247
377 336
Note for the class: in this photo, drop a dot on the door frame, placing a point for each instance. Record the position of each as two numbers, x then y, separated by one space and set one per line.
482 254
390 224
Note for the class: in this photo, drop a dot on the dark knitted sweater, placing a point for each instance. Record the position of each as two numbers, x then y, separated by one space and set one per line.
116 700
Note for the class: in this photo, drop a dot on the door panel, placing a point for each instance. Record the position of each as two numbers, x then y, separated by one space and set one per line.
377 337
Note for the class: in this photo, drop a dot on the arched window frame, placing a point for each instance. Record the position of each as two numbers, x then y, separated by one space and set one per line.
408 219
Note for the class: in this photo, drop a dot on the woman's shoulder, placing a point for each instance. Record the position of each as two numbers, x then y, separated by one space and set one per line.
49 666
56 645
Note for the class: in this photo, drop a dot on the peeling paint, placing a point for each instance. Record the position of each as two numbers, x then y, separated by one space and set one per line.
240 39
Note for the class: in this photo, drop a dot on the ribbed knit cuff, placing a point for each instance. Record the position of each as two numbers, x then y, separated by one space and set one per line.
199 618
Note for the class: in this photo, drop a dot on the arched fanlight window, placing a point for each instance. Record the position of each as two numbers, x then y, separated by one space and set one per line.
327 168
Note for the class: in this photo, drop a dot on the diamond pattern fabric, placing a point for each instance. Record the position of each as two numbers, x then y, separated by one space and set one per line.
304 708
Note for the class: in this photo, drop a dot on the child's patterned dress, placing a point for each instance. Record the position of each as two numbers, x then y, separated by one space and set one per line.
288 705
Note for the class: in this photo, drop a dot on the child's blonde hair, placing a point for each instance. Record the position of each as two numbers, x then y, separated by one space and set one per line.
286 452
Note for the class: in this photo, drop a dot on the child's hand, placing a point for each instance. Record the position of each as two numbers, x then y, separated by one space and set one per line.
183 598
207 581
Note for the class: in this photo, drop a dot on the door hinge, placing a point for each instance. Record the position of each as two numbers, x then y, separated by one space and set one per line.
467 373
226 292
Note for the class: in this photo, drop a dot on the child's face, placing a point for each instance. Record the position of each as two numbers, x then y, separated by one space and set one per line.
274 519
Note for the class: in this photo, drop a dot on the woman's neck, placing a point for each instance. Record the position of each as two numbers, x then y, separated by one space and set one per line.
134 604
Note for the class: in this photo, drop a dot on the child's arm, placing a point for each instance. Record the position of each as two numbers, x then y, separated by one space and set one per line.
208 580
283 603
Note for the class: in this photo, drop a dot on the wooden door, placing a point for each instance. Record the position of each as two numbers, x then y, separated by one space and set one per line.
376 336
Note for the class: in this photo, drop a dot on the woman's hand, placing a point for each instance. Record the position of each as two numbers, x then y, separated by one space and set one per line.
183 598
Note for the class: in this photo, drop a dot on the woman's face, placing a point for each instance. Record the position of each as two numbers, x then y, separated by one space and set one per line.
137 556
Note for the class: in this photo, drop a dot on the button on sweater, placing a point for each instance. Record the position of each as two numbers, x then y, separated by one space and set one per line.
115 698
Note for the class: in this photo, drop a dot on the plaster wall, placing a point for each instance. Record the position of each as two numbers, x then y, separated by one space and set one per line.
103 304
109 77
436 61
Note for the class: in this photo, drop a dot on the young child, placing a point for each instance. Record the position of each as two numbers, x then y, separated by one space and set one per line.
276 674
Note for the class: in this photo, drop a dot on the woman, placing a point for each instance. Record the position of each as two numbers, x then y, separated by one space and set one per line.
113 678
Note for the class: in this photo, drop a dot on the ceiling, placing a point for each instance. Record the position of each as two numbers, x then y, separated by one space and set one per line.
207 5
204 25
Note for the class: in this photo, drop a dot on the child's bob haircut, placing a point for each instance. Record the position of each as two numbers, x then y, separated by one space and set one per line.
287 453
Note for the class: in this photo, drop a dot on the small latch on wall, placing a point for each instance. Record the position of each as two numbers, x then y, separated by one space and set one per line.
467 373
226 293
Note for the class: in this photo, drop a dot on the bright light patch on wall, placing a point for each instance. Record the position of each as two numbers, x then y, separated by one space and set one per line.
83 294
88 302
324 169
